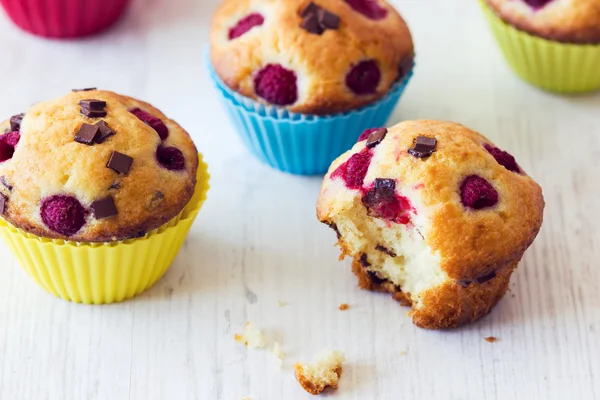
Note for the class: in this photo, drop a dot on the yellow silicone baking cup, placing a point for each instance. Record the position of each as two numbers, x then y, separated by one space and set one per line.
103 273
549 65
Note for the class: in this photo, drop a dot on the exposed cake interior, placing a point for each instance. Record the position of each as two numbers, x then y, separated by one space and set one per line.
393 251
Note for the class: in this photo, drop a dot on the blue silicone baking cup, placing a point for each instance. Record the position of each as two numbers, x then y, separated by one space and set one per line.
298 143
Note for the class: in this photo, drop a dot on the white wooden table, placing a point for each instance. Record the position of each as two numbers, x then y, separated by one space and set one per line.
257 240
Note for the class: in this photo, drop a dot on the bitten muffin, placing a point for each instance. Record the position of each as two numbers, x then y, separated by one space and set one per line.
569 21
94 166
433 213
321 57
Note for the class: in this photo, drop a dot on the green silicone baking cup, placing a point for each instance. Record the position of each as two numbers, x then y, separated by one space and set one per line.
553 66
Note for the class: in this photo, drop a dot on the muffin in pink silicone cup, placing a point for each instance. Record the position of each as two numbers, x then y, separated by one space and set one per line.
63 19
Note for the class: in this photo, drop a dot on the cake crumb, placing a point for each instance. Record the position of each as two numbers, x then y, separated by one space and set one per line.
403 353
344 307
279 355
325 371
281 303
491 339
246 398
251 338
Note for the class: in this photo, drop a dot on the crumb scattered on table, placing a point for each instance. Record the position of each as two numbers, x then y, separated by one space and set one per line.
403 353
324 371
491 339
251 338
246 398
279 355
344 307
281 303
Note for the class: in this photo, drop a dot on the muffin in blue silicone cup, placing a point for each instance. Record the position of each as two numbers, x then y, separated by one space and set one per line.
302 80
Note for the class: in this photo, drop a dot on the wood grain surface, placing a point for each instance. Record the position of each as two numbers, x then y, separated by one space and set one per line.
257 241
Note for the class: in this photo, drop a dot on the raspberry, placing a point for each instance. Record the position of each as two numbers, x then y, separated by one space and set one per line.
171 158
383 202
6 151
276 85
11 138
364 77
365 134
477 193
368 8
63 214
152 121
245 24
354 170
503 158
537 3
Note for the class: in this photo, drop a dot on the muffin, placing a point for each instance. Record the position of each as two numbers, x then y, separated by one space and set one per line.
552 44
62 19
302 79
433 213
99 171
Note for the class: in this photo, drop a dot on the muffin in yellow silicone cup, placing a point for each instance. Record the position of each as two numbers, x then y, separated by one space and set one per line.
97 194
552 44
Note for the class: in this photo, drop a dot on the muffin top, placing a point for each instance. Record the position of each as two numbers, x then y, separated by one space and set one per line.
94 166
569 21
320 57
470 202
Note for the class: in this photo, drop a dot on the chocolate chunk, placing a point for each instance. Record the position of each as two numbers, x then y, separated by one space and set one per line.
375 280
93 108
85 90
363 260
104 208
104 132
328 20
385 250
115 185
5 183
15 122
87 134
3 201
464 283
317 20
93 104
93 113
311 8
119 162
485 278
311 25
333 226
384 185
424 147
383 189
376 137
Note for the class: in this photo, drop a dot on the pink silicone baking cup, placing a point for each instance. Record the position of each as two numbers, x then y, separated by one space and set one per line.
64 18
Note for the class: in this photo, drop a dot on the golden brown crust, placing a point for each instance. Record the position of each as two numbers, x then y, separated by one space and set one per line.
321 62
311 387
47 161
449 305
575 21
471 243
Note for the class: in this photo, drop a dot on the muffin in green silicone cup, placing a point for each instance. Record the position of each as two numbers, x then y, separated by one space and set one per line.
552 44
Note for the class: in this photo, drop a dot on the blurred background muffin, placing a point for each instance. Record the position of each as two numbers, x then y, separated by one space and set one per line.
63 19
552 44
